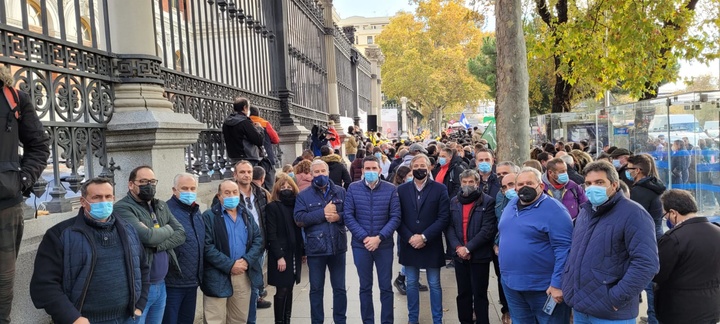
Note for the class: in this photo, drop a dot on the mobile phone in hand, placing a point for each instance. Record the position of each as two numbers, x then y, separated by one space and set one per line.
550 304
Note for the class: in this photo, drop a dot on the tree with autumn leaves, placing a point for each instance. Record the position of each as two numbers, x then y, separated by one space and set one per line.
426 55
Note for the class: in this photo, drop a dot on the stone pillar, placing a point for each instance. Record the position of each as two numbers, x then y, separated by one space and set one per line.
144 129
292 135
333 100
403 119
376 58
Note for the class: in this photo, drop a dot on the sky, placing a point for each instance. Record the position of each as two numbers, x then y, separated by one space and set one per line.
379 8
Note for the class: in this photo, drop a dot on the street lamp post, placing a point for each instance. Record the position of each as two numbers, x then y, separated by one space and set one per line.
403 118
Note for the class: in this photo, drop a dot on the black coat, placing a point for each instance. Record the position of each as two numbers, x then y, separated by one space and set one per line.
242 139
339 173
429 215
688 284
284 240
481 229
575 176
646 192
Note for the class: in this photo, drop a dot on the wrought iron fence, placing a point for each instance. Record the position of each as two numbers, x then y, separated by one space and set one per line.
364 85
59 53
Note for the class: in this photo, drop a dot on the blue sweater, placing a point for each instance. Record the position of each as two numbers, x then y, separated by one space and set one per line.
534 244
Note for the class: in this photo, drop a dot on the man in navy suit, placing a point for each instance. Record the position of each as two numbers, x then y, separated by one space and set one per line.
425 214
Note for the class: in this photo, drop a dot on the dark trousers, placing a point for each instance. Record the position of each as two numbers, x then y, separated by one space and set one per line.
472 283
335 264
382 259
11 232
180 305
503 301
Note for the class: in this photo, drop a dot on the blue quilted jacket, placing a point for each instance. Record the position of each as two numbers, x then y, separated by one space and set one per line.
190 253
372 212
65 262
321 237
612 259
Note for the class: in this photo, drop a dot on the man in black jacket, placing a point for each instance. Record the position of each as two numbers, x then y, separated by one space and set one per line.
18 124
91 268
243 139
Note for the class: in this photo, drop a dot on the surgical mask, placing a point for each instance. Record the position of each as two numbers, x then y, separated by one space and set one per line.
321 180
371 176
563 178
597 195
484 167
231 202
101 210
628 175
442 161
420 174
378 155
291 174
409 179
616 163
467 190
147 192
510 193
187 197
527 194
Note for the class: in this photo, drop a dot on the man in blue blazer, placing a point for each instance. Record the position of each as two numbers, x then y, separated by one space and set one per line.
425 214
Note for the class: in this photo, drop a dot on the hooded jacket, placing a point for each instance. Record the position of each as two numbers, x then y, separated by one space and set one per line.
339 173
646 192
242 139
19 173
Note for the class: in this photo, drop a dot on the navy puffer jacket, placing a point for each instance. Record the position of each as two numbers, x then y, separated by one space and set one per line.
372 212
612 259
321 238
190 253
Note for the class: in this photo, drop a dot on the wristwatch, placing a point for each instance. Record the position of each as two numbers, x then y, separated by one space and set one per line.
424 238
466 249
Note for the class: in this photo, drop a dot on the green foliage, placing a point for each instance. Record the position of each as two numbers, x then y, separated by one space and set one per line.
484 66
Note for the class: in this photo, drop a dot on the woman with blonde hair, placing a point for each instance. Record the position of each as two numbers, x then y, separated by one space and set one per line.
284 245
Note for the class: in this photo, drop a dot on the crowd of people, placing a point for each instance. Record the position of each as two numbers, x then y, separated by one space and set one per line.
569 236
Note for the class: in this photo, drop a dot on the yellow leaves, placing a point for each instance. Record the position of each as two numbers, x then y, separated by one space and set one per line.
427 54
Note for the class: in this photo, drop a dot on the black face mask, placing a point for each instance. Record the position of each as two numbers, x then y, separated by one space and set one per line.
286 195
527 194
147 192
420 174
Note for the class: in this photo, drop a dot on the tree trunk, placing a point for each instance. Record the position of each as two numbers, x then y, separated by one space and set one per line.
513 111
561 94
438 120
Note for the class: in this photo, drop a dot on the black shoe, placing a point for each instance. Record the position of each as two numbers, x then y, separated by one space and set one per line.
422 287
262 303
263 293
399 284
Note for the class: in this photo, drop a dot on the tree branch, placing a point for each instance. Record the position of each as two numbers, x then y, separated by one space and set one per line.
543 11
562 11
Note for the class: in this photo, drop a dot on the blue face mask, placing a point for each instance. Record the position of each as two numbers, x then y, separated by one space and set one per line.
321 180
291 174
597 195
371 176
101 210
628 175
187 197
510 193
563 178
484 167
409 179
231 202
442 161
616 163
378 155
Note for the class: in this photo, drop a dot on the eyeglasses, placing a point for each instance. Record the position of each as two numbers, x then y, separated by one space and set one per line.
248 203
146 181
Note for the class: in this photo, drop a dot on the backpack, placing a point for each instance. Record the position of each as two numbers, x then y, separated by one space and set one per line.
11 95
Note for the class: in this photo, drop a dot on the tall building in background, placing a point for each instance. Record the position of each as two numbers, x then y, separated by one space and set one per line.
366 29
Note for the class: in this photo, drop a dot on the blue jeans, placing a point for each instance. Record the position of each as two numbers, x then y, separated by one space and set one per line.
155 308
527 307
383 259
118 321
316 271
180 305
651 304
412 275
582 318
